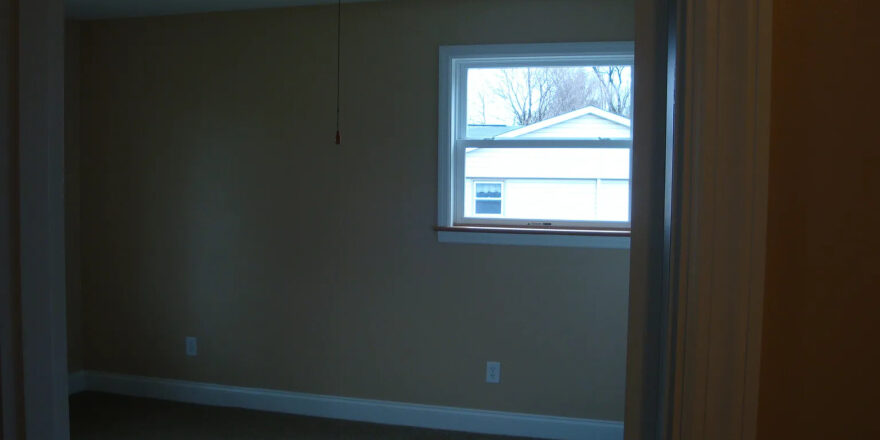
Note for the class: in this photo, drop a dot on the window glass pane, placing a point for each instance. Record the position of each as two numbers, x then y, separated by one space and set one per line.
551 183
488 207
585 102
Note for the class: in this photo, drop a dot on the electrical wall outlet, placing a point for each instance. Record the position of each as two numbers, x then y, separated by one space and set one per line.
192 346
493 372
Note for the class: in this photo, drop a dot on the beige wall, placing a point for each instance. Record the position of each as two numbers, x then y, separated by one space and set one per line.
71 196
819 363
215 204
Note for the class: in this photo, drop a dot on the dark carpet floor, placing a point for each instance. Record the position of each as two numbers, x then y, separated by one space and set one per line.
98 416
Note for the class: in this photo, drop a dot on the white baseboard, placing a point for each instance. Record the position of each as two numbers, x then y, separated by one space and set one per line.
76 382
346 408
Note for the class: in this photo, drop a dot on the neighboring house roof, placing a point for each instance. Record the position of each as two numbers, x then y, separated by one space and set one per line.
557 163
487 131
595 122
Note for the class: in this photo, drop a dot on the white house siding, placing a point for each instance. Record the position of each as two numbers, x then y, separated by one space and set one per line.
551 199
553 183
559 163
613 200
548 199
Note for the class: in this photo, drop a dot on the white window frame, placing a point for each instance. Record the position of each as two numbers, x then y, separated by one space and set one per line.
452 129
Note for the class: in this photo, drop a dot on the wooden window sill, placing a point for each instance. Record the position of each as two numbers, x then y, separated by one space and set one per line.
607 239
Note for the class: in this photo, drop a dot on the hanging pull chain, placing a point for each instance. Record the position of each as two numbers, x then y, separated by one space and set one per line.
338 68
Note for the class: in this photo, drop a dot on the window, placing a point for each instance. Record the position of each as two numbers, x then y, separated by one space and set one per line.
536 136
487 198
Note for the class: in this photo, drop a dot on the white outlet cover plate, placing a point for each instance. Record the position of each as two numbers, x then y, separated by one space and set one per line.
493 372
192 347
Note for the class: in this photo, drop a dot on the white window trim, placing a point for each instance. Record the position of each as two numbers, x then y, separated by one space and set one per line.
454 60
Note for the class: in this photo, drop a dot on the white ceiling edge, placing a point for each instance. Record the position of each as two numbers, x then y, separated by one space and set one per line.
97 9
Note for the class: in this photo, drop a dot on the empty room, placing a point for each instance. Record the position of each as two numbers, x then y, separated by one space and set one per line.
223 245
433 219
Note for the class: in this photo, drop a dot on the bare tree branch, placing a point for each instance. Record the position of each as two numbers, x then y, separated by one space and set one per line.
536 94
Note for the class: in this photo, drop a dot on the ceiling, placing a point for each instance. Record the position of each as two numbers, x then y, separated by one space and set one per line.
92 9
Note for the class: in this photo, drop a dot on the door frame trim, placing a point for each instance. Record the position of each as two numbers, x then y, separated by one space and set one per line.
700 170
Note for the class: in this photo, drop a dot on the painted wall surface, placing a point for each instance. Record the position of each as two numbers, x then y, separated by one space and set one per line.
11 397
72 234
215 204
820 363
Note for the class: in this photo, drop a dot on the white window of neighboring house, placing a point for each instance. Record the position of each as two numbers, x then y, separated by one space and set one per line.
536 137
488 198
